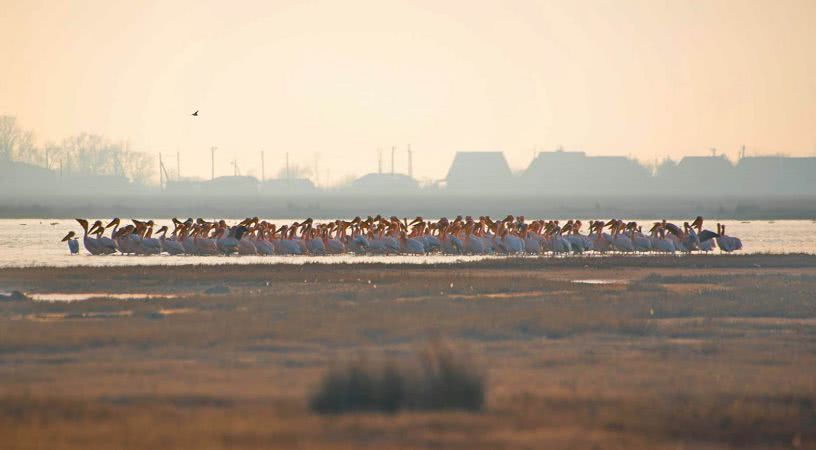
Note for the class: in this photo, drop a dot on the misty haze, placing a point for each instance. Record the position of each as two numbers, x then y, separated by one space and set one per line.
407 224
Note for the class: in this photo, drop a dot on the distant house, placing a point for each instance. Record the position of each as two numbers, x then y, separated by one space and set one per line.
288 186
383 183
479 172
563 172
697 175
230 185
776 175
185 186
28 179
25 178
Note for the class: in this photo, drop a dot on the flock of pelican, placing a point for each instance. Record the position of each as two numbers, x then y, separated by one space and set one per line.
386 236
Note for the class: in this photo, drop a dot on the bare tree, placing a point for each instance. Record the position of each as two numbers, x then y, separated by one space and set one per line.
9 134
17 143
138 166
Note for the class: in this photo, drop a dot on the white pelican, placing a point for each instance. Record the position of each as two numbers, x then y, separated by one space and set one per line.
90 243
410 246
706 239
659 241
169 245
727 243
640 242
73 243
149 244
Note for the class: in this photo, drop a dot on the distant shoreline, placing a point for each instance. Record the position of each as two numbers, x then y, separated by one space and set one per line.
44 275
330 206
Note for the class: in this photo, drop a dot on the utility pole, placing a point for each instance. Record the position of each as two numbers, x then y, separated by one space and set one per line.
317 173
410 162
212 162
263 167
393 149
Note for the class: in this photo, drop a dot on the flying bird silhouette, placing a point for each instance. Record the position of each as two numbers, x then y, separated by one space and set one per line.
196 113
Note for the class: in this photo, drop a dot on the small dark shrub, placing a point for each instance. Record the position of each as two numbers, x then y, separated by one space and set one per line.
439 381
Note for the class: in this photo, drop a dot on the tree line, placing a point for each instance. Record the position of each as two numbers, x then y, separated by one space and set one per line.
82 154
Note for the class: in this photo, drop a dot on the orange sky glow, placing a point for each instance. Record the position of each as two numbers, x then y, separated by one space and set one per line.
644 78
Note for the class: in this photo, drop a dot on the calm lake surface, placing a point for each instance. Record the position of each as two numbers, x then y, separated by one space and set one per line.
36 242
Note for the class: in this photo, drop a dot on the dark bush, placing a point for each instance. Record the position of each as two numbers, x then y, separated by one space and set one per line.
439 381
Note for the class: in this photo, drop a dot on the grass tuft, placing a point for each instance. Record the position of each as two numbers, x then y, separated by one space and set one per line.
440 381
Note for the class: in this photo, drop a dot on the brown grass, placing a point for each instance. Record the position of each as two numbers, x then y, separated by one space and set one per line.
440 380
727 361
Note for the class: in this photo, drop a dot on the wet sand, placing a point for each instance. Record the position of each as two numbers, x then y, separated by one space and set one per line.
659 352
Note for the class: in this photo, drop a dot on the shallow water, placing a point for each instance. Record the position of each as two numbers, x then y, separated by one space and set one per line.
598 281
66 297
36 242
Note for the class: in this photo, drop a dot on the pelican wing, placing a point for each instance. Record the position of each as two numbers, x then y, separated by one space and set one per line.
673 229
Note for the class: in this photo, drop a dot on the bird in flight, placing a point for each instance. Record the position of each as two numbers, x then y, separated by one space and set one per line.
195 113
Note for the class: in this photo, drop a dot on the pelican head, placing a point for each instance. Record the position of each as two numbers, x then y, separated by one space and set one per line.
96 225
83 223
69 236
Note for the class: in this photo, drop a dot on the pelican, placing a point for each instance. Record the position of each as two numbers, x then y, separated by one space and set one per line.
640 242
411 246
620 242
106 245
287 245
659 241
576 241
73 243
260 236
90 243
333 244
149 244
204 243
705 237
727 243
602 242
169 245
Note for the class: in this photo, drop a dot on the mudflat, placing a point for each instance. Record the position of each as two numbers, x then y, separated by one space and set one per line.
700 351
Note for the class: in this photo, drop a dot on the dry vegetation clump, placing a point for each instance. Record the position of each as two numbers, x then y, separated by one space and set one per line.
442 380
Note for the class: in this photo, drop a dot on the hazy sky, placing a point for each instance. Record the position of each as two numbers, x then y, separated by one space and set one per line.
643 78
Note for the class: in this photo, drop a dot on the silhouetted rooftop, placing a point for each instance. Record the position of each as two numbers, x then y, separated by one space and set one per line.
479 171
375 183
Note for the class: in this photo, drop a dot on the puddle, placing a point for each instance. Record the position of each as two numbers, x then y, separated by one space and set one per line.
54 317
598 281
694 288
167 312
63 297
499 295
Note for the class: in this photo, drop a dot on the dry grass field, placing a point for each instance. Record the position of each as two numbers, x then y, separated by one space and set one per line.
698 352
